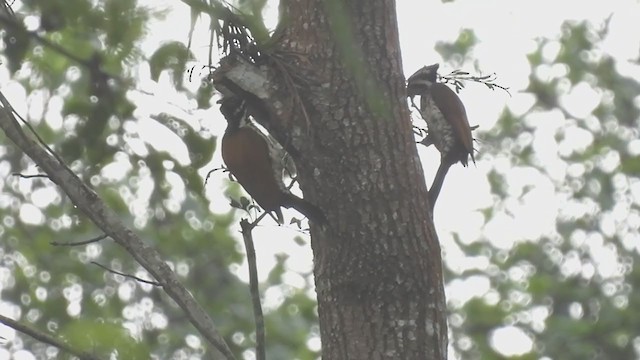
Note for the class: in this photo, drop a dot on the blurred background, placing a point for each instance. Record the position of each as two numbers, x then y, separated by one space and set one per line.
539 238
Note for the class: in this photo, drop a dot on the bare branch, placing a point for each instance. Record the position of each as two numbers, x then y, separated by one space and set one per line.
6 8
108 221
221 168
247 236
34 176
154 283
457 78
80 243
46 338
257 221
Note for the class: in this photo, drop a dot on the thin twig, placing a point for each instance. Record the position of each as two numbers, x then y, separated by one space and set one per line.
79 243
212 32
206 179
34 176
457 77
46 338
256 221
150 282
247 236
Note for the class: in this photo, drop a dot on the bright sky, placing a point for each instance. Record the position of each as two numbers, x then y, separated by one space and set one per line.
507 31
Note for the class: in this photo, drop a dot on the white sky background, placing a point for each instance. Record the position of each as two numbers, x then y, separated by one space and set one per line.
507 30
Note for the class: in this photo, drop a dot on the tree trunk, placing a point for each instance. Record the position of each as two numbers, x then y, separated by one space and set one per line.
378 269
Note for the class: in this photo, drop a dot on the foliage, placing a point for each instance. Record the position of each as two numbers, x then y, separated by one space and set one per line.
571 292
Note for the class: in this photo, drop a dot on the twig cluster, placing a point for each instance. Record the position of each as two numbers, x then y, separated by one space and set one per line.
458 77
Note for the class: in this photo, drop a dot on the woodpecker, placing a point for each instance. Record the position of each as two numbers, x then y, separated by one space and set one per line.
247 155
447 123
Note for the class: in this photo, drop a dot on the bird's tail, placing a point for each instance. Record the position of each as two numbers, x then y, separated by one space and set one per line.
312 212
434 191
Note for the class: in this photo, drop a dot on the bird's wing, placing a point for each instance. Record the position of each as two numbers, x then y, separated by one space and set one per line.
246 155
453 110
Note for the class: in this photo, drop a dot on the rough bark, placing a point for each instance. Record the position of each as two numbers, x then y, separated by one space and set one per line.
377 265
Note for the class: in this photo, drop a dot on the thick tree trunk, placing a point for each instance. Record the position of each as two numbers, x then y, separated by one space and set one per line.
377 264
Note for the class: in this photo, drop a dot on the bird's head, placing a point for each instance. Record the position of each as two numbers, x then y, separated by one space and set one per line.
234 109
421 81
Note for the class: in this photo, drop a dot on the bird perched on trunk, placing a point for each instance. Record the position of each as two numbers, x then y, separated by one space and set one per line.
247 155
447 123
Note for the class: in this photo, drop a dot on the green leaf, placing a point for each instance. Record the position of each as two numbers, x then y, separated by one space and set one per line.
16 43
104 338
171 56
